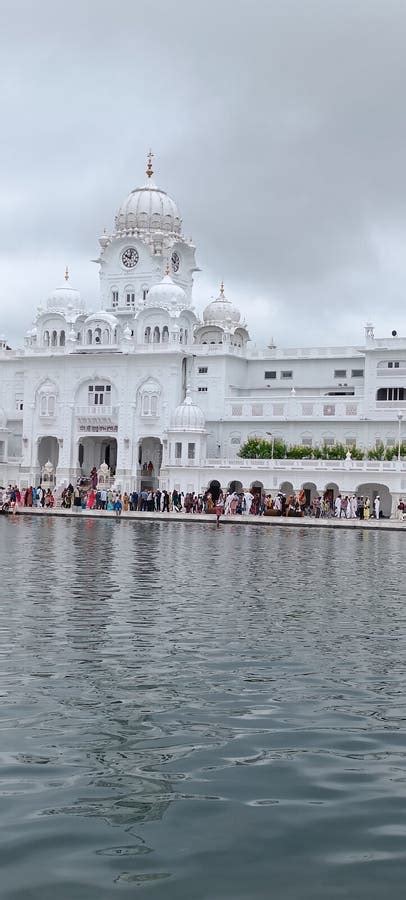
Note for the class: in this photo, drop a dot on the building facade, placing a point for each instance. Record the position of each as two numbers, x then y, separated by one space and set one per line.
166 397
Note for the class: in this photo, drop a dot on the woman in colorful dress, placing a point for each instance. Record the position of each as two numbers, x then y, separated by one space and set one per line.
91 499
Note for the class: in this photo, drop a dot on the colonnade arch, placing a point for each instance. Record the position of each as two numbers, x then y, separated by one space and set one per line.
149 461
93 450
214 488
235 486
372 489
286 488
48 450
311 491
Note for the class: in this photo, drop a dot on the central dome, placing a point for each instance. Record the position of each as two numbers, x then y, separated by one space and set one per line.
148 208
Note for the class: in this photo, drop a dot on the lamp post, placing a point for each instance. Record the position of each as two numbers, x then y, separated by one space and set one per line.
400 417
273 443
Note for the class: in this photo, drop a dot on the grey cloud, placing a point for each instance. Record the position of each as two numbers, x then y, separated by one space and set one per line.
279 128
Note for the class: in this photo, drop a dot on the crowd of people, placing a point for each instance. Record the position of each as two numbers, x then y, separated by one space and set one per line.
37 497
244 502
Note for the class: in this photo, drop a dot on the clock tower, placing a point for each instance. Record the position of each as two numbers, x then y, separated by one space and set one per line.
147 239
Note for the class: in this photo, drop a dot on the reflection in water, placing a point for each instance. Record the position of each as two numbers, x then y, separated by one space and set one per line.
198 713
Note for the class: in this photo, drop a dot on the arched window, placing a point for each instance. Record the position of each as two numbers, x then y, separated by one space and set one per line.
106 336
79 337
62 339
165 334
392 364
97 335
185 335
147 335
114 298
148 398
46 338
89 336
47 405
54 339
157 335
391 393
181 335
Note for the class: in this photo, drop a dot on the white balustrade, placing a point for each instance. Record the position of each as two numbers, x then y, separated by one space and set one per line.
96 411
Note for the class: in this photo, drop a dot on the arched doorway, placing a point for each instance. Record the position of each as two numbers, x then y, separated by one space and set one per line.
214 488
330 493
95 450
311 492
286 488
48 450
149 462
235 486
373 489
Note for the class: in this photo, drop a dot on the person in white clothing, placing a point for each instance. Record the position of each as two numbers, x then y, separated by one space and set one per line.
353 506
248 497
377 506
337 506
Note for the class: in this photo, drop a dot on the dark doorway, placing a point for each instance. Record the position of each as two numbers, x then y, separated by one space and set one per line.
214 488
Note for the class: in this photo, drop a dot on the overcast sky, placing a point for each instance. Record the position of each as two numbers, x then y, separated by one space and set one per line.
278 126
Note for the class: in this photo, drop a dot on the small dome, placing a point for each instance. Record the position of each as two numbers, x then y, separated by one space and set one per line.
66 297
149 209
187 416
221 311
102 316
166 294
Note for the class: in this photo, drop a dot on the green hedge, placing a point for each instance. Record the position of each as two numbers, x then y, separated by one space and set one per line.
260 448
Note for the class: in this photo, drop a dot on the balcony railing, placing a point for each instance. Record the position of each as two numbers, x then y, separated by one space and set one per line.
293 407
391 404
102 411
361 465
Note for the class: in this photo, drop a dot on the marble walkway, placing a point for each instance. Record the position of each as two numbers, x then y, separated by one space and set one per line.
204 519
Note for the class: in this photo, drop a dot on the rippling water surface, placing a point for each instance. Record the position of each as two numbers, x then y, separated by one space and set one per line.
189 713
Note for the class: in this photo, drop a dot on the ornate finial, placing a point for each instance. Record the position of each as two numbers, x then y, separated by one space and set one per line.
66 274
222 289
150 170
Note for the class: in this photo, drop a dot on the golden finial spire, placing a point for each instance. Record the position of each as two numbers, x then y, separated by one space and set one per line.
150 170
66 274
222 289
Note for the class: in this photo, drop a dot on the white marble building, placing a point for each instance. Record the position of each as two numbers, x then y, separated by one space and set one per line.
167 397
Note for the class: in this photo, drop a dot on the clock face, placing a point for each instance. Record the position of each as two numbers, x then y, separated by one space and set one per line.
175 261
129 257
